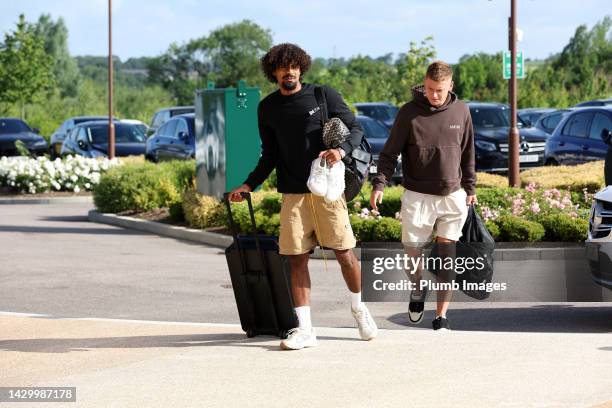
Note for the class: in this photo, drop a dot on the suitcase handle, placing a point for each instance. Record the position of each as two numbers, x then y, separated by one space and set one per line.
234 228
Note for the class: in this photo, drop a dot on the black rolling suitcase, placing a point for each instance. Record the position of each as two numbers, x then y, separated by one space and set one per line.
260 280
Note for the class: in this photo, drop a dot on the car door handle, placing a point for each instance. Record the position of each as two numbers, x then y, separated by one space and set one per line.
585 147
561 143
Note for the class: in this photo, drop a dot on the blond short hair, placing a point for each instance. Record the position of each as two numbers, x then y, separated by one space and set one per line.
438 71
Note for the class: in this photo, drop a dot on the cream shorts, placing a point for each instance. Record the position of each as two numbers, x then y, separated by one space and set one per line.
426 214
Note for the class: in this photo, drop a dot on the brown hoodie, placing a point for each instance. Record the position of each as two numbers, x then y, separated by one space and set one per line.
437 147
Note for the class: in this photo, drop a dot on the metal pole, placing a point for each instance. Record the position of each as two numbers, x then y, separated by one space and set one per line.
111 125
513 142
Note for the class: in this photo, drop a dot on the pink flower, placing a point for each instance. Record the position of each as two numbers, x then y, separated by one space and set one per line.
535 207
531 187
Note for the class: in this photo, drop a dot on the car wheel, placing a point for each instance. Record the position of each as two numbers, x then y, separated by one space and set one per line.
551 162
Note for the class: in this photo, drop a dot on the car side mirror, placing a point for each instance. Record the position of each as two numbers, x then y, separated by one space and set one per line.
183 136
606 136
36 130
82 144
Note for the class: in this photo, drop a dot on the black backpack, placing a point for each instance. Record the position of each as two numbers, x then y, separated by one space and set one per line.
357 163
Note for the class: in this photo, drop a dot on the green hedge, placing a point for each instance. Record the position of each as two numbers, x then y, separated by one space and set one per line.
144 186
561 227
513 228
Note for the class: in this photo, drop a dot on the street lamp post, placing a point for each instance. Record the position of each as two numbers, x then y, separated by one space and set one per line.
111 125
513 142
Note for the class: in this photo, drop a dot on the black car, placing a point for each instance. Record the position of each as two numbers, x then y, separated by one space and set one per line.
548 122
595 102
12 130
491 132
530 116
174 140
377 136
161 116
580 137
383 112
90 139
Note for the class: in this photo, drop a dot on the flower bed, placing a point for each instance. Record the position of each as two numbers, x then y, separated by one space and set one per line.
532 213
73 173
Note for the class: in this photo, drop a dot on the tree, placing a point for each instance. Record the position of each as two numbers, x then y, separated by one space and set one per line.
65 69
26 68
233 52
411 67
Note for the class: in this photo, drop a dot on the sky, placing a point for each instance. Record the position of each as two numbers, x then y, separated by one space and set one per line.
332 28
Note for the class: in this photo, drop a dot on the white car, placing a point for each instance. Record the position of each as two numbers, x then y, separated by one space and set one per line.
599 243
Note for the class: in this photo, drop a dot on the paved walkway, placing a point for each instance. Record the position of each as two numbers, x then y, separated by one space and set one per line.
129 364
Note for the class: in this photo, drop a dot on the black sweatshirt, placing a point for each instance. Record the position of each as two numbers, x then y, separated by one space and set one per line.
436 144
291 132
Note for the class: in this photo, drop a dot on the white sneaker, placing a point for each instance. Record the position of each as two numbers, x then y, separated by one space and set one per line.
335 182
365 322
298 339
317 181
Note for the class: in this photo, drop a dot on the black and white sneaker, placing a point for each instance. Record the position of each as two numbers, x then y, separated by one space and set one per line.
441 323
416 307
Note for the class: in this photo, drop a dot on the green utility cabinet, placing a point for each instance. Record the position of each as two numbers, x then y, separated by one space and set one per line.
227 137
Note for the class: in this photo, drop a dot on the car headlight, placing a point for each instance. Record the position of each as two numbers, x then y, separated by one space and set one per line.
40 143
488 146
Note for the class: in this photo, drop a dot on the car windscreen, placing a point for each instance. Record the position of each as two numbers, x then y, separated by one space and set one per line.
490 117
373 129
175 112
8 126
98 134
383 113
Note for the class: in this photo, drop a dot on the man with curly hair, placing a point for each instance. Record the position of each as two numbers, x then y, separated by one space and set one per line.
290 127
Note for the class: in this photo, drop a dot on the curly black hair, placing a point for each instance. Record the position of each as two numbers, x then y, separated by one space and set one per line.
284 55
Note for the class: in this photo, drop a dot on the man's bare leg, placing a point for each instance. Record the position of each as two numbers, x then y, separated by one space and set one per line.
300 279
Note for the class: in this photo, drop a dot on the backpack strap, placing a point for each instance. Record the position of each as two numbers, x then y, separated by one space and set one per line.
322 102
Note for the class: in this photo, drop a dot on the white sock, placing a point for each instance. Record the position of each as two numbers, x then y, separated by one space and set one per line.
442 316
356 301
303 314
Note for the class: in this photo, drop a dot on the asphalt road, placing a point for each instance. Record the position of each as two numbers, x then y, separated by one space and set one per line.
55 262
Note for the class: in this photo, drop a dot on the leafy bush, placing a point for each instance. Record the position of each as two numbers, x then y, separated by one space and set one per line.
386 229
203 211
271 203
561 227
513 228
362 228
142 187
491 180
589 176
493 229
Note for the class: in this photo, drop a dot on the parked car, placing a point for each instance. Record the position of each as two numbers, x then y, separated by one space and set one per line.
530 116
12 130
174 140
595 102
144 127
578 138
599 242
161 116
549 121
377 136
491 123
90 139
383 112
57 138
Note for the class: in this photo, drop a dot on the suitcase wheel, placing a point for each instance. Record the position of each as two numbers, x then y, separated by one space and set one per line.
250 333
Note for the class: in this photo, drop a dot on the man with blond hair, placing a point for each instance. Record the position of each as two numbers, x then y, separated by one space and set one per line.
434 134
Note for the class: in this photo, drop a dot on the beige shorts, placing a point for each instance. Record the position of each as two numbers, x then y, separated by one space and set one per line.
306 217
426 214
